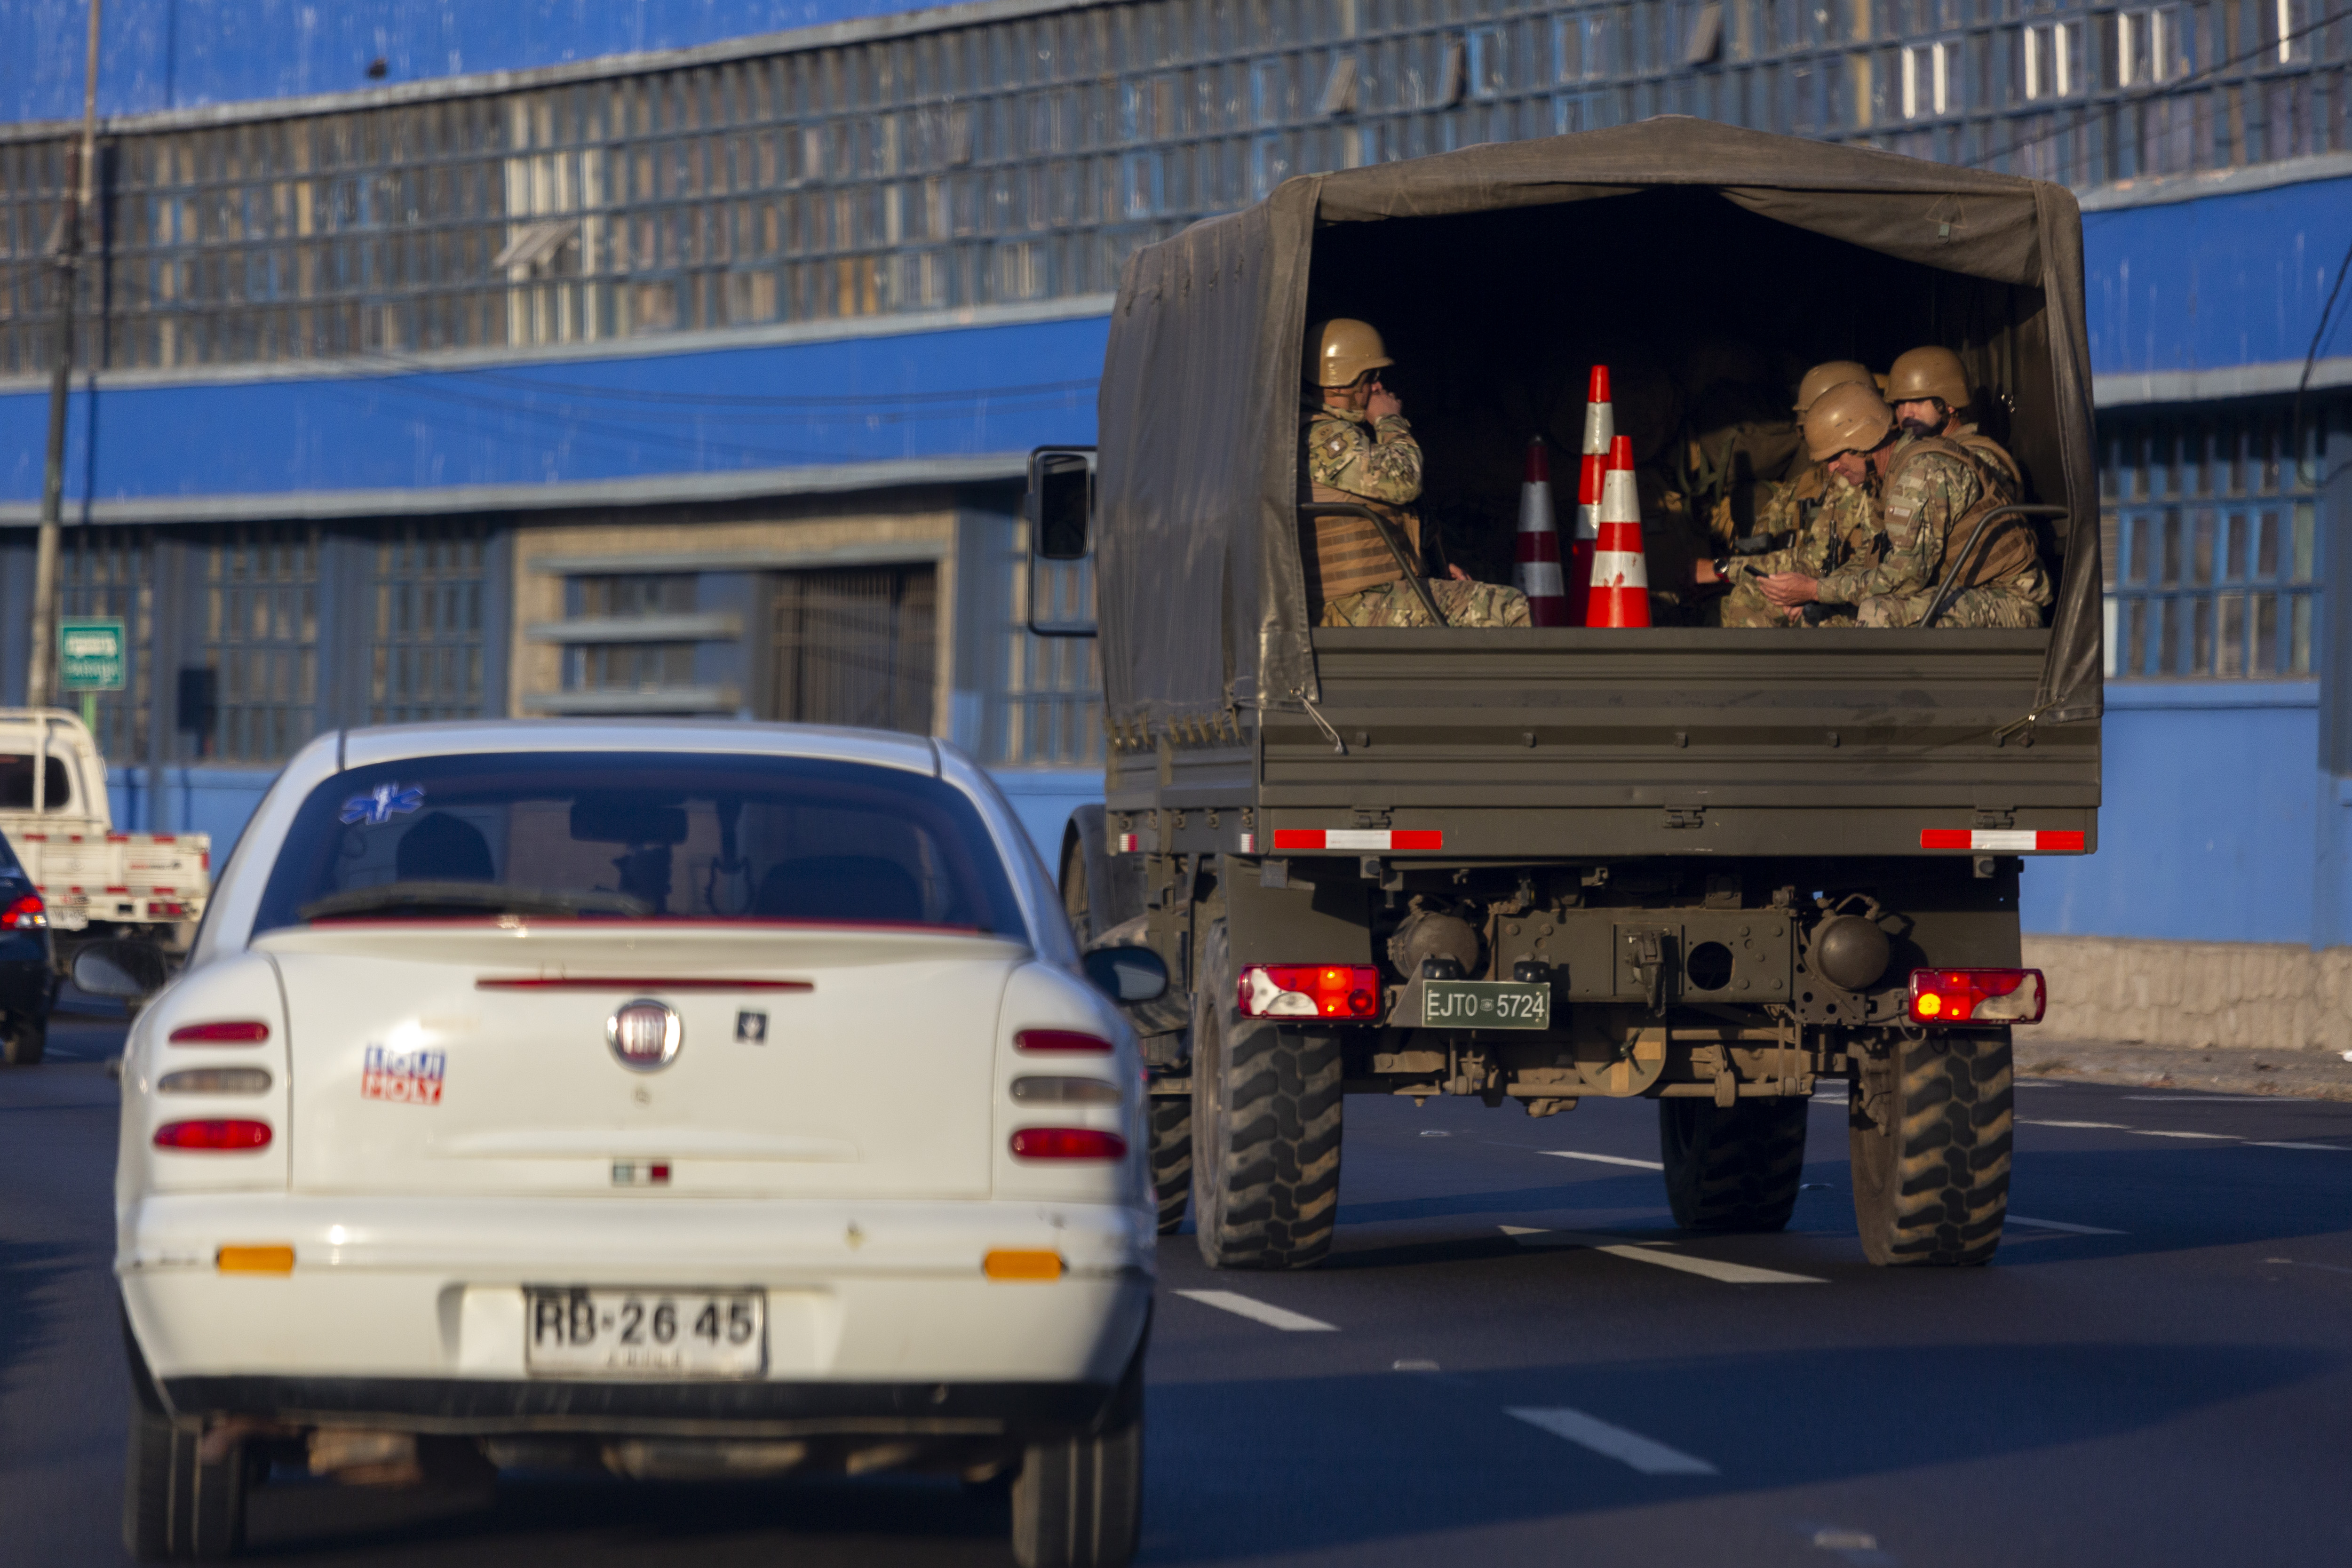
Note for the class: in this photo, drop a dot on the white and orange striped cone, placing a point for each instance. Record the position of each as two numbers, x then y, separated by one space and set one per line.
1621 572
1599 429
1537 572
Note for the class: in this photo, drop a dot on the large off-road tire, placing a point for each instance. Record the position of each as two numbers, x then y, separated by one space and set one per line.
1171 1157
1930 1130
1266 1129
1733 1169
175 1505
25 1041
1078 1501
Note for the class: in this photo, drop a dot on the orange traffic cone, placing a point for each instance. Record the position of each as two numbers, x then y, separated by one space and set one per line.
1538 570
1599 428
1621 572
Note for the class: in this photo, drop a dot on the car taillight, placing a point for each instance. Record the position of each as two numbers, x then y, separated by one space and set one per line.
1067 1143
212 1136
28 913
1346 992
226 1032
1976 995
1059 1040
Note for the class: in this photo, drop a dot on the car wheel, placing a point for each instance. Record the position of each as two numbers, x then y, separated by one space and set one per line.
1734 1167
178 1505
1078 1501
27 1041
1929 1128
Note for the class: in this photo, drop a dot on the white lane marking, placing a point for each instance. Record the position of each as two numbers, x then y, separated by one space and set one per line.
1603 1159
2104 1126
2159 1133
2203 1098
1730 1273
1649 1458
2062 1225
1263 1312
2327 1148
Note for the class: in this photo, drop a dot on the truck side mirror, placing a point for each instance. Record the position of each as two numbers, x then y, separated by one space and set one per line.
134 971
1059 510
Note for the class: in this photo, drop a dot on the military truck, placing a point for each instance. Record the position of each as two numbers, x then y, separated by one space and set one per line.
1713 867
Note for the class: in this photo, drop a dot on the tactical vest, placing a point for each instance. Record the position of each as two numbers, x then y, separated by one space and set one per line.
2012 546
1345 555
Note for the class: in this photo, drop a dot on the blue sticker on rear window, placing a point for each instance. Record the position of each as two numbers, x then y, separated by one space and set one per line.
377 808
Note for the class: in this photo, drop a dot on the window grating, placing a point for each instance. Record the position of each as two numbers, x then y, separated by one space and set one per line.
426 658
109 573
1025 159
261 637
2212 530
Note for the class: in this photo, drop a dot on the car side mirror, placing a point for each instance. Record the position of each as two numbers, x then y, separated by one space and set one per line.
130 970
1128 973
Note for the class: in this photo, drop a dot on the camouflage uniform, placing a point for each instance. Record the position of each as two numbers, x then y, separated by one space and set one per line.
1841 532
1378 461
1395 605
1346 451
1930 494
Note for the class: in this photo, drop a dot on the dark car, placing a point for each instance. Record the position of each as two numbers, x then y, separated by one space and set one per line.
24 973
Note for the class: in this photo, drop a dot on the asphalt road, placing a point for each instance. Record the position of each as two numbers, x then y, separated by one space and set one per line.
1511 1358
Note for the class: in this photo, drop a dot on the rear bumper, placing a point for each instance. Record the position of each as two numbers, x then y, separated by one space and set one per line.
475 1406
414 1309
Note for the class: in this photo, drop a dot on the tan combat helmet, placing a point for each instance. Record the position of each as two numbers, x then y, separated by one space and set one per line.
1342 349
1822 377
1929 372
1849 417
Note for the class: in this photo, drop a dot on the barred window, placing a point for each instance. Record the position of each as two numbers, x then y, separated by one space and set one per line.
261 637
426 658
109 574
2212 531
1052 702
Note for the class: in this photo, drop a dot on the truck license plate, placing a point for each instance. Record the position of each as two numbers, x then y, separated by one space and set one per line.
576 1332
1485 1004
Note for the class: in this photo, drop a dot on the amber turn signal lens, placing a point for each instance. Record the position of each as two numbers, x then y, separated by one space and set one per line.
1008 1264
255 1259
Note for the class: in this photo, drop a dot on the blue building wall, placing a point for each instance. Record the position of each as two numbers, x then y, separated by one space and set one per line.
183 54
2219 281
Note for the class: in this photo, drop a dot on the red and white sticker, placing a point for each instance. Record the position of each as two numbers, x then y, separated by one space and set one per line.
414 1078
1248 844
2015 840
1358 838
1129 844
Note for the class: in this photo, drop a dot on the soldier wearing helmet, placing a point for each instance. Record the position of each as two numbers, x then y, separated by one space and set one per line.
1928 388
1932 485
1356 447
1833 519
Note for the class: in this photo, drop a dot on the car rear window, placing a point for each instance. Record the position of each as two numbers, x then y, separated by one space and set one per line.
636 836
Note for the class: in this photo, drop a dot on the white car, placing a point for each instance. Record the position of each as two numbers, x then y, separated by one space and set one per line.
688 1100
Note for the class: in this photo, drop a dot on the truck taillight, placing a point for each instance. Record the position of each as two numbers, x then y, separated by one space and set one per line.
223 1032
1067 1143
28 913
1977 996
1348 993
1059 1040
234 1136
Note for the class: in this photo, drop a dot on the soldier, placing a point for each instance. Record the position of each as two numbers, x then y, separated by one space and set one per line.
1834 523
1357 447
1929 390
1937 496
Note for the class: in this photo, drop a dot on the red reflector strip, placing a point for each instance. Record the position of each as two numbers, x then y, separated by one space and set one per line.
2015 840
212 1136
1248 844
1358 838
1059 1040
635 982
1129 844
230 1032
1067 1143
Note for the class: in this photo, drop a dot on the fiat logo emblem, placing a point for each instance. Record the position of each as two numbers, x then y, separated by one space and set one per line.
644 1035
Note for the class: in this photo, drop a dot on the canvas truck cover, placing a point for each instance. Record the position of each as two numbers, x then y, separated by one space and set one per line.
1202 598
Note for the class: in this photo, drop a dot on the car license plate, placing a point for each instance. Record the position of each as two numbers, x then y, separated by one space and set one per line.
1485 1004
575 1332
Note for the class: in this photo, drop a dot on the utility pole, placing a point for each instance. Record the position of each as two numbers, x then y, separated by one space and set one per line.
39 676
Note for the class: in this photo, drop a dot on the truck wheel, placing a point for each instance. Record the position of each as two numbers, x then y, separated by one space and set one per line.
175 1505
1171 1157
1078 1501
27 1041
1929 1128
1266 1129
1735 1169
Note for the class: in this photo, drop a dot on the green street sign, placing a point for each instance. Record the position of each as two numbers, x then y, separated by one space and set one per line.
89 656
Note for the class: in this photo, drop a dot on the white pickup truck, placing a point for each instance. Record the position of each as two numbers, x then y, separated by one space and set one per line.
96 881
